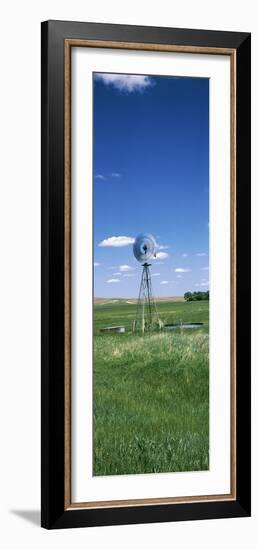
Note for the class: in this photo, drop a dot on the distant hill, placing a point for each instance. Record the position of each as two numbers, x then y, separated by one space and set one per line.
103 301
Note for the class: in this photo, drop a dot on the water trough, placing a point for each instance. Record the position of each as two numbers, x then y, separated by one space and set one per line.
119 329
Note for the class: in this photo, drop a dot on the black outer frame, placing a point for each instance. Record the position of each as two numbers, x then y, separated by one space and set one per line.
52 172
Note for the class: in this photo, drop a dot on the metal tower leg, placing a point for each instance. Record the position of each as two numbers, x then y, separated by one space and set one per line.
147 317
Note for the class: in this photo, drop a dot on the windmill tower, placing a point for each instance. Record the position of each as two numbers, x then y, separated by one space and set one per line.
147 317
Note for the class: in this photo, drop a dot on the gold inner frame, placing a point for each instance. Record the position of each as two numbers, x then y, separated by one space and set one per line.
68 44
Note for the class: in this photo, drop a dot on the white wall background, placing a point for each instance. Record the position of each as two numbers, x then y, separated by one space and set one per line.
20 273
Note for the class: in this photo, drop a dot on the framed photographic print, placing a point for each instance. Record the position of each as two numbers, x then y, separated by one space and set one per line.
145 274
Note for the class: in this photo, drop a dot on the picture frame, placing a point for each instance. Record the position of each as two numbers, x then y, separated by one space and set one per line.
58 39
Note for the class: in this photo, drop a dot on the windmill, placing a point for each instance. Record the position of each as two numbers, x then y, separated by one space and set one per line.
147 317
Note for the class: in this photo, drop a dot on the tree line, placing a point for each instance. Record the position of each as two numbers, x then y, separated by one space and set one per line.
196 296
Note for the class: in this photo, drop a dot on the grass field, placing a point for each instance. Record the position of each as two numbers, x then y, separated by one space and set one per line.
151 392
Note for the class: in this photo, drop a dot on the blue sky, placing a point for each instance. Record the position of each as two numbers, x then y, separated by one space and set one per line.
151 175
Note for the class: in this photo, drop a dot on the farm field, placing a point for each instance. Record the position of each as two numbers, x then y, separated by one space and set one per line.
151 392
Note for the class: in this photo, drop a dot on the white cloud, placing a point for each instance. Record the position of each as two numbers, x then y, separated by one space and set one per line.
102 177
96 264
117 241
205 268
184 255
118 273
126 82
201 254
161 256
179 276
129 275
155 274
162 247
159 263
182 270
124 268
202 284
113 281
164 282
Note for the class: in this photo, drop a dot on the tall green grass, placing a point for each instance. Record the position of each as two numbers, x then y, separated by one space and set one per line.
151 396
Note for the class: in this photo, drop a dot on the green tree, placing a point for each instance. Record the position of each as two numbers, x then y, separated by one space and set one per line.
196 296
